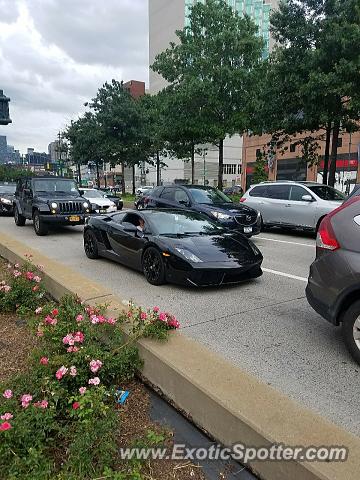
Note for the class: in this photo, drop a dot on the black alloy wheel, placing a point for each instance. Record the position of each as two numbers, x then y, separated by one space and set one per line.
90 245
153 266
19 219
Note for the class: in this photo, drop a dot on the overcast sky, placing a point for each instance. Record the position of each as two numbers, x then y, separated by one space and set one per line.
55 54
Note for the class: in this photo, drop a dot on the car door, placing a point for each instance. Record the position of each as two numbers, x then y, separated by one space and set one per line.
27 198
299 212
275 203
127 244
167 199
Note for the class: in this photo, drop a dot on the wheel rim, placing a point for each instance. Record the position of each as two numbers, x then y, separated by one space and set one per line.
89 245
356 332
152 265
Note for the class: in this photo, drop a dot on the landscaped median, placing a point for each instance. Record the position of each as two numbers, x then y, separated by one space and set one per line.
222 399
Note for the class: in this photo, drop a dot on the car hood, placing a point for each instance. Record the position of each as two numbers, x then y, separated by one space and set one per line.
102 202
216 248
230 208
58 198
8 196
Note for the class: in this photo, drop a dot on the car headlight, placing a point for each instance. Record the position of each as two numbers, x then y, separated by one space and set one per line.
221 216
6 201
188 255
85 205
54 205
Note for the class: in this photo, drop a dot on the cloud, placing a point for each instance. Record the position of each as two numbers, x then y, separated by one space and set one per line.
55 54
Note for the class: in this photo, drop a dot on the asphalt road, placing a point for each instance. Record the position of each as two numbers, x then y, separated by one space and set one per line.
265 327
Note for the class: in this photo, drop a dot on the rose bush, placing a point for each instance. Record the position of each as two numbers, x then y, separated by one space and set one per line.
58 420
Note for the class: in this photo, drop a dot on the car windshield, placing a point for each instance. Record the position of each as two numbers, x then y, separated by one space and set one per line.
181 224
93 194
54 186
210 196
327 193
9 189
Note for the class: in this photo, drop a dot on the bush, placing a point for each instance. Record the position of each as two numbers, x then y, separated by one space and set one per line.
59 420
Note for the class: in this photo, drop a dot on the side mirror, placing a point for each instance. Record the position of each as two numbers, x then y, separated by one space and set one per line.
129 227
307 198
81 192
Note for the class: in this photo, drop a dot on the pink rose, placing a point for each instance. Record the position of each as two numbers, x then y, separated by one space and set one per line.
129 314
95 365
80 318
16 273
162 317
156 309
143 316
25 400
44 360
6 416
111 321
37 279
5 426
38 310
82 390
29 275
7 394
73 371
61 372
75 405
43 404
94 381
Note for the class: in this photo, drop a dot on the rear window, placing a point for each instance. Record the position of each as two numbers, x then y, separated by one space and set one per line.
327 193
259 191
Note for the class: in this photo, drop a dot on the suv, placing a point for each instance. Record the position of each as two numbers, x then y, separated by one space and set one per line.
49 200
333 288
293 204
208 200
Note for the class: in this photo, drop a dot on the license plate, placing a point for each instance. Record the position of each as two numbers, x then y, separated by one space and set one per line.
247 229
102 210
74 218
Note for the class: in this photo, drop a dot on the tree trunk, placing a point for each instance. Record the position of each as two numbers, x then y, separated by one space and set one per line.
192 164
334 147
97 174
158 176
133 179
79 173
327 153
221 164
123 178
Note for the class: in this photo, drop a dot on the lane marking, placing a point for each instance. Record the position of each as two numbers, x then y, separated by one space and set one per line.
288 275
286 241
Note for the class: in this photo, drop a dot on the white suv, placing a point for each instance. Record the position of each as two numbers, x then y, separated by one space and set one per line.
292 204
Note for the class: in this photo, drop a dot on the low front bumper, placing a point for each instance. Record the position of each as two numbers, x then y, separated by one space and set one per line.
64 219
244 229
214 274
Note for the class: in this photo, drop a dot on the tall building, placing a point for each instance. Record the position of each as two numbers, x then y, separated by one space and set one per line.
3 149
167 16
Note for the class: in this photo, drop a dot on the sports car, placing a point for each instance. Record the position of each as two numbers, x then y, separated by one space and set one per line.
177 246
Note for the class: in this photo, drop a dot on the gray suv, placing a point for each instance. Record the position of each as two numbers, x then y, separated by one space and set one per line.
333 288
292 204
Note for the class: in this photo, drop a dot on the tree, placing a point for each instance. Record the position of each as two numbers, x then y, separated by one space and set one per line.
312 80
120 124
214 63
12 173
260 174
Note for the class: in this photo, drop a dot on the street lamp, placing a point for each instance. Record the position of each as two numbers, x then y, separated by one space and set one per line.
4 109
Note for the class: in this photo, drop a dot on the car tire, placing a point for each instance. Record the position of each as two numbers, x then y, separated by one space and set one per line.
351 330
153 266
90 245
40 226
19 219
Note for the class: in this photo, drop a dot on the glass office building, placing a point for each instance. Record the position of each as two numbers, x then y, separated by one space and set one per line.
258 10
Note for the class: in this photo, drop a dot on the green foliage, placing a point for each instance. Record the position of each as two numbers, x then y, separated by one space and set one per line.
9 173
213 65
260 174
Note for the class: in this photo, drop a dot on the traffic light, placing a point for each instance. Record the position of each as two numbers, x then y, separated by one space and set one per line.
4 109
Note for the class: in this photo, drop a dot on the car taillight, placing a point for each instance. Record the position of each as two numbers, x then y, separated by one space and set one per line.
326 238
242 199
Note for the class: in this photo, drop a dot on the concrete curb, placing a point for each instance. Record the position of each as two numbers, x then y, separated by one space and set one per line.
230 404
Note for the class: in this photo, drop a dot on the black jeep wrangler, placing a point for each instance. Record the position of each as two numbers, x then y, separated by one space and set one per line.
49 201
